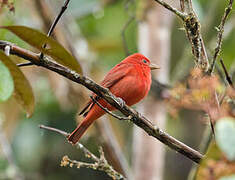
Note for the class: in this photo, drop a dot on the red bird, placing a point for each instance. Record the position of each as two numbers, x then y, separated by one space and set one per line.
129 80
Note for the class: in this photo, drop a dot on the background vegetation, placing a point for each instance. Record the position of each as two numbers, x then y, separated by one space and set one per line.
95 28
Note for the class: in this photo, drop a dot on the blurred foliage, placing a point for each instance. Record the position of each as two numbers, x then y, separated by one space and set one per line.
198 93
103 29
8 4
38 153
6 83
215 165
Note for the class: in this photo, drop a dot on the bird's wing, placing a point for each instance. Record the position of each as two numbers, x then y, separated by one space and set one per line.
88 105
114 76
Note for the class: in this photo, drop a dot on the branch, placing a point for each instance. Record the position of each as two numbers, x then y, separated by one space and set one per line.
63 8
228 78
193 31
61 34
104 93
172 9
113 147
54 130
186 6
100 164
109 112
52 27
220 35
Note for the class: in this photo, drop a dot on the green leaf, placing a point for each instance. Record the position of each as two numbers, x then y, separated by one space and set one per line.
225 136
53 48
23 92
6 83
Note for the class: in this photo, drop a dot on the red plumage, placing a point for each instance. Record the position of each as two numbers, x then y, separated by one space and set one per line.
129 80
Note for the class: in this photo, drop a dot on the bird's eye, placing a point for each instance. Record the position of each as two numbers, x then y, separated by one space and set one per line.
144 61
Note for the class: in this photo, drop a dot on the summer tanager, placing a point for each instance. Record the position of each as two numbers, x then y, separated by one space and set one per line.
129 80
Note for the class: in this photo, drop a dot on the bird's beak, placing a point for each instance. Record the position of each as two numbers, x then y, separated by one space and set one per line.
154 66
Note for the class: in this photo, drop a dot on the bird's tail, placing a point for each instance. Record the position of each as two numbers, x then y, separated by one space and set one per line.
79 131
94 113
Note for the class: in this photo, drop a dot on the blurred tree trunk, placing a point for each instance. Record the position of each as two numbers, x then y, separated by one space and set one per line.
154 43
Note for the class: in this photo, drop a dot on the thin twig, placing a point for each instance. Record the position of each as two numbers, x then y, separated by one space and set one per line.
87 152
54 130
228 78
212 121
63 34
100 164
212 127
182 5
188 6
109 112
79 145
137 118
172 9
220 35
113 147
63 8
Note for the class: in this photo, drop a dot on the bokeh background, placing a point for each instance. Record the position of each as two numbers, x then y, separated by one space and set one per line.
93 31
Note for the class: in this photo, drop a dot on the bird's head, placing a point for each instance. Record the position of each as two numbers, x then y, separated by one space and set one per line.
141 59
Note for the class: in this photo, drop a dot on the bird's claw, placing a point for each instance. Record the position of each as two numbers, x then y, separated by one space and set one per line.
121 102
